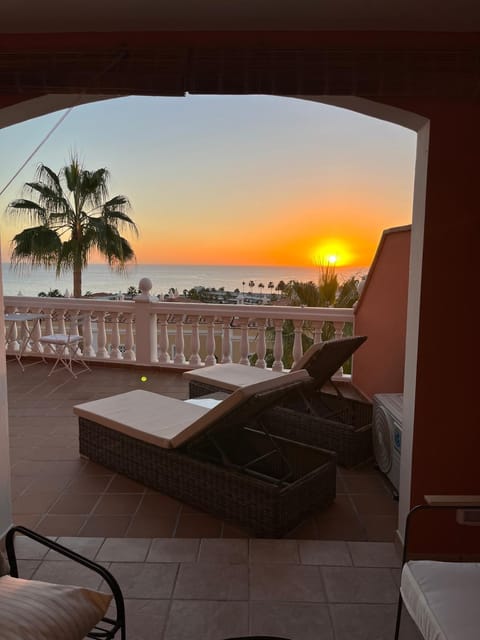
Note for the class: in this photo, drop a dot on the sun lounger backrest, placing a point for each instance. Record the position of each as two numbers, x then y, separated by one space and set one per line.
242 405
322 360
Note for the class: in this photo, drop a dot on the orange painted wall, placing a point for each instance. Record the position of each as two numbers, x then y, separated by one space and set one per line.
381 314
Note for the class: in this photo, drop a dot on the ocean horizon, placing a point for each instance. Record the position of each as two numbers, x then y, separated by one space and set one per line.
98 278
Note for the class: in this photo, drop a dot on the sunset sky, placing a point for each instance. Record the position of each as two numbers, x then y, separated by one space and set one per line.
232 179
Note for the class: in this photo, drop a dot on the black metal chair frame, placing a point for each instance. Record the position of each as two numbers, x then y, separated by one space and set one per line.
100 633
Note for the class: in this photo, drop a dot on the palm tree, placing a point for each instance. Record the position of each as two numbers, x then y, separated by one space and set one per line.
73 217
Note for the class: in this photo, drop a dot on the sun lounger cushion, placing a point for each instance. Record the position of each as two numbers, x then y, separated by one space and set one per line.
167 422
31 610
442 598
231 376
321 361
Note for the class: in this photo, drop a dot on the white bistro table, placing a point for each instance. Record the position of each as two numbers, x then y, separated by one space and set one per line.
21 331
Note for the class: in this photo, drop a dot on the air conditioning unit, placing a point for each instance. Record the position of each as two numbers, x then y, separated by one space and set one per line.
387 434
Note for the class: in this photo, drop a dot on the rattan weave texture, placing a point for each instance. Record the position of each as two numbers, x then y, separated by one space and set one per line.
265 508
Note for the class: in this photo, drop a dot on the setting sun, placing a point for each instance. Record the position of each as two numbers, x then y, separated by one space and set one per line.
332 253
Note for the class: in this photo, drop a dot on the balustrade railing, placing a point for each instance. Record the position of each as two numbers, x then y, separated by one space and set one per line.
145 331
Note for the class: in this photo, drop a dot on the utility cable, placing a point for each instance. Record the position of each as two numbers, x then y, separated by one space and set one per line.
39 146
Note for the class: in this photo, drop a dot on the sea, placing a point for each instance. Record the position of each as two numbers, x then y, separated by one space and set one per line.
99 278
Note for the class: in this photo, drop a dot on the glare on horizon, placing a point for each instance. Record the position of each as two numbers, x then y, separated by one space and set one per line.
260 180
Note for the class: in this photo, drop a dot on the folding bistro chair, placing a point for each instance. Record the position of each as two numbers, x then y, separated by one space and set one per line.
67 351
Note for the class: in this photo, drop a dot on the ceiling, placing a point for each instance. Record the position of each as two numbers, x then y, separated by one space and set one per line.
24 16
367 48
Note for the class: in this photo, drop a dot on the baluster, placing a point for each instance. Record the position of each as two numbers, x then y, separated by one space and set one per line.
244 341
210 343
12 337
86 321
61 320
129 351
195 359
261 344
278 346
49 330
163 342
115 353
338 326
226 341
317 331
101 336
35 345
179 341
297 341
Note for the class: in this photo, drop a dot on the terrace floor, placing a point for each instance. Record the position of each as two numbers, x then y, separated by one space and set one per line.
184 573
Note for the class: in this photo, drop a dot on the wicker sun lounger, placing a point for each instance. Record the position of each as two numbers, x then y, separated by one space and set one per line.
222 460
309 414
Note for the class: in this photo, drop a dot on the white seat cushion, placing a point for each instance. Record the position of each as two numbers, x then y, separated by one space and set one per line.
60 338
231 376
168 422
34 610
443 598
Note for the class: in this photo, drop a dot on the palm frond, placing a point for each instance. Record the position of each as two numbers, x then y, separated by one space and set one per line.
32 210
37 246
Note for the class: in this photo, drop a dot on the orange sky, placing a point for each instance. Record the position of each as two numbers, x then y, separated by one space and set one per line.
233 179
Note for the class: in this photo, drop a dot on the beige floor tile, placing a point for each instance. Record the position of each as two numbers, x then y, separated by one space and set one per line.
208 620
325 552
268 551
305 621
212 582
175 550
374 554
68 573
224 551
358 585
286 583
146 618
145 580
363 621
124 550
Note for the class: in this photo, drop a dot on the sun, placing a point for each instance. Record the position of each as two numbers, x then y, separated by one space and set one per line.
331 253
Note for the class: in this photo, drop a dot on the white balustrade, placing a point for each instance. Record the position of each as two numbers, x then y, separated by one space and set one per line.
245 334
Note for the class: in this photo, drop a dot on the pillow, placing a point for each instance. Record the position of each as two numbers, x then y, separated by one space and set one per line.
34 610
4 568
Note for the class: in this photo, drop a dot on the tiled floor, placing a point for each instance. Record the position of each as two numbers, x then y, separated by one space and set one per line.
179 589
185 574
57 492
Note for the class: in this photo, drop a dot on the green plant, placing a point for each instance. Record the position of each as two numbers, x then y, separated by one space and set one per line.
73 217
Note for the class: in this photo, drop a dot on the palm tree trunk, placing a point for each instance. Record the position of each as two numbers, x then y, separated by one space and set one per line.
77 282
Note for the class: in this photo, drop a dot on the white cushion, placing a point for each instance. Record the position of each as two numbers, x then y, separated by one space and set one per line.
231 376
443 598
168 422
34 610
60 338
